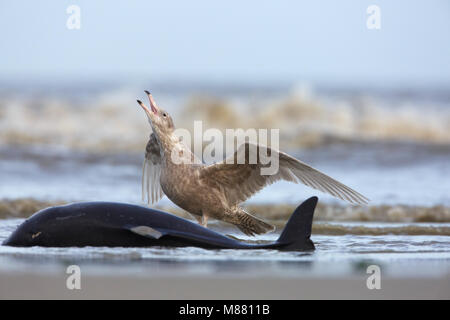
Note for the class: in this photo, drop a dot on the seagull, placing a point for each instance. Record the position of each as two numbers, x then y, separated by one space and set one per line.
217 190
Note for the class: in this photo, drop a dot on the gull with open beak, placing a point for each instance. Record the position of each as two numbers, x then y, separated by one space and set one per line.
216 190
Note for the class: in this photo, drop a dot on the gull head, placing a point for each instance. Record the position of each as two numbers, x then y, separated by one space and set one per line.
160 120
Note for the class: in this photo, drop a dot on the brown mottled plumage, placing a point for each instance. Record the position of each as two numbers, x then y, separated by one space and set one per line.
217 190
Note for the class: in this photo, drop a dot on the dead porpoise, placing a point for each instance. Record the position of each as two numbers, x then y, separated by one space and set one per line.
109 224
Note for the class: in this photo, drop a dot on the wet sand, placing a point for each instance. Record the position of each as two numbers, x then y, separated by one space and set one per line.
53 286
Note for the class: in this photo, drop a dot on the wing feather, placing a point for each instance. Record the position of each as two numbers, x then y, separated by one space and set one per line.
241 181
151 172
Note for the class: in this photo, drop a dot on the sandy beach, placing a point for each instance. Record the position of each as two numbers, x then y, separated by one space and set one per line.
53 286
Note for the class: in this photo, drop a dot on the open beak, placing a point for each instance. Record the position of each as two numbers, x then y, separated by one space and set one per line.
152 102
154 108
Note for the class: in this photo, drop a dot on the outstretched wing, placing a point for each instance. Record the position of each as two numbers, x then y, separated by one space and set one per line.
151 172
240 180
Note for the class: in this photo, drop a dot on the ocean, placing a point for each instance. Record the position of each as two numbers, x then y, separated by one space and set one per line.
62 144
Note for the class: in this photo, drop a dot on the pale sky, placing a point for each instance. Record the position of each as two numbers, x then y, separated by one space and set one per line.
227 41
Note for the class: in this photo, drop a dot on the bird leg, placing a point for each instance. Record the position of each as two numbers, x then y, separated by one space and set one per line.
198 218
204 221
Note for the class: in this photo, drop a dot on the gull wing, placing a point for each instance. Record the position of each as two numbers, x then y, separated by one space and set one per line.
151 172
241 179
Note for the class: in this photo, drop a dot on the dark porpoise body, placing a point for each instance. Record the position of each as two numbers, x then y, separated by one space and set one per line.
108 224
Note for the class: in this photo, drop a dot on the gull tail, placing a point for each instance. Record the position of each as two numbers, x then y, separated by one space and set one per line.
297 232
251 225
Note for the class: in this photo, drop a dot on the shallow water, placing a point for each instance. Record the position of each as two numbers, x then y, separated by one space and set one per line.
342 255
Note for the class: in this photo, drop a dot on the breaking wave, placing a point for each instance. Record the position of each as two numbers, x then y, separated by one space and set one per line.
113 122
